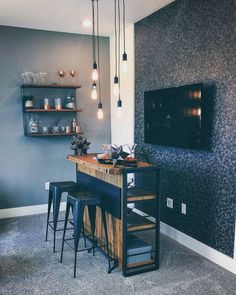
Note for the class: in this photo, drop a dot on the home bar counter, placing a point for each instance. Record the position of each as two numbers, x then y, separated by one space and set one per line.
125 225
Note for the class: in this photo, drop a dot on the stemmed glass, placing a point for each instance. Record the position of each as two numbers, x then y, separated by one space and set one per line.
131 148
106 148
62 74
73 74
42 76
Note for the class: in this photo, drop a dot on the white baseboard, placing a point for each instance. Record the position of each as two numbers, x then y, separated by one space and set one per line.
193 244
28 210
202 249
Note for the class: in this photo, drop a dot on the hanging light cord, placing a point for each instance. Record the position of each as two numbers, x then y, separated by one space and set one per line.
115 4
98 50
119 44
124 23
93 36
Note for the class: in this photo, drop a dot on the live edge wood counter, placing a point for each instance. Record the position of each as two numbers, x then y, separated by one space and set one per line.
108 181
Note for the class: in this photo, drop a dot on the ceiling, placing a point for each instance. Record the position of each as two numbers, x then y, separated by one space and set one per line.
68 15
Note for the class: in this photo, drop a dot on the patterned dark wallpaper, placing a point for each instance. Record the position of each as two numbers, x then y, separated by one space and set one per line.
188 42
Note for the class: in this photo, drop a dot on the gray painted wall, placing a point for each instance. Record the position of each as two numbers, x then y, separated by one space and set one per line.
187 42
26 163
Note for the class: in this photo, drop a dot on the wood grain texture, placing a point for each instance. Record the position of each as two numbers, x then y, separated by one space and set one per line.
114 227
90 162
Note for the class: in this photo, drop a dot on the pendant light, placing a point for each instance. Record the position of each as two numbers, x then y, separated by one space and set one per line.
124 56
119 101
116 89
100 110
95 68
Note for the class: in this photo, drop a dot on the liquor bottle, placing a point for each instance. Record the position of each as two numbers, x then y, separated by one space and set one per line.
73 126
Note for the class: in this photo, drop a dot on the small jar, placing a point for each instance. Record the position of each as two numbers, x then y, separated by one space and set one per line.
77 129
58 104
46 104
68 129
29 104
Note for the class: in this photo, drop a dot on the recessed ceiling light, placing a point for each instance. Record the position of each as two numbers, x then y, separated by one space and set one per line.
87 23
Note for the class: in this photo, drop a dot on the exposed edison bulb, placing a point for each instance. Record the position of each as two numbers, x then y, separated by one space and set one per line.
94 94
116 90
100 114
95 75
119 112
125 66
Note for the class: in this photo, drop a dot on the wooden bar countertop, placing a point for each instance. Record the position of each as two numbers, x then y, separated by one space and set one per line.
90 161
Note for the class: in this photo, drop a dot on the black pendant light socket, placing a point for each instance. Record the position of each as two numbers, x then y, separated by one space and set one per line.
94 85
95 66
119 103
116 80
100 105
124 57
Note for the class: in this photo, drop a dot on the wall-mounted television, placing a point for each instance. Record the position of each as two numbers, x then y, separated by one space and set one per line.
173 116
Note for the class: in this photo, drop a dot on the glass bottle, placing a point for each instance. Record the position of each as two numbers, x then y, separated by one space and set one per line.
73 125
34 125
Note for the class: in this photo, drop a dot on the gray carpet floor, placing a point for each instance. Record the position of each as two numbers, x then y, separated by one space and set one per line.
28 266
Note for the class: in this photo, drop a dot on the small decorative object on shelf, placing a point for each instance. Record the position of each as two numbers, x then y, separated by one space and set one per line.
73 74
73 125
30 77
80 145
58 104
68 129
45 130
56 128
77 129
46 104
62 74
34 126
117 153
70 104
29 104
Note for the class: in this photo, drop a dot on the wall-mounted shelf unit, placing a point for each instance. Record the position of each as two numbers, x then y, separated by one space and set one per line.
46 117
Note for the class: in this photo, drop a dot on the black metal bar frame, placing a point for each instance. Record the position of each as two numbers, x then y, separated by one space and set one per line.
140 268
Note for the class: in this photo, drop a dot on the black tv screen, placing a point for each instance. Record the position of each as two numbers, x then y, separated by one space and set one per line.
173 116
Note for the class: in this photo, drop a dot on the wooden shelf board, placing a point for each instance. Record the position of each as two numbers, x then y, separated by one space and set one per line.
137 222
50 86
140 227
51 134
136 194
52 110
142 263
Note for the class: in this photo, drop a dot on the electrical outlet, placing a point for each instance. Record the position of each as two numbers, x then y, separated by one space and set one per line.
183 208
169 203
47 185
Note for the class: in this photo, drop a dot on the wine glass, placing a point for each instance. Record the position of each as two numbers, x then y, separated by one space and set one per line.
42 75
131 148
62 74
106 148
73 74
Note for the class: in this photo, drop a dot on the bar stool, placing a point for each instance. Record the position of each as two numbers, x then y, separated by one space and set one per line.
54 197
77 201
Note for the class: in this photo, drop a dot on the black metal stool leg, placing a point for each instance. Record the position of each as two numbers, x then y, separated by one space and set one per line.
56 208
92 218
83 231
64 231
78 216
106 237
49 210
